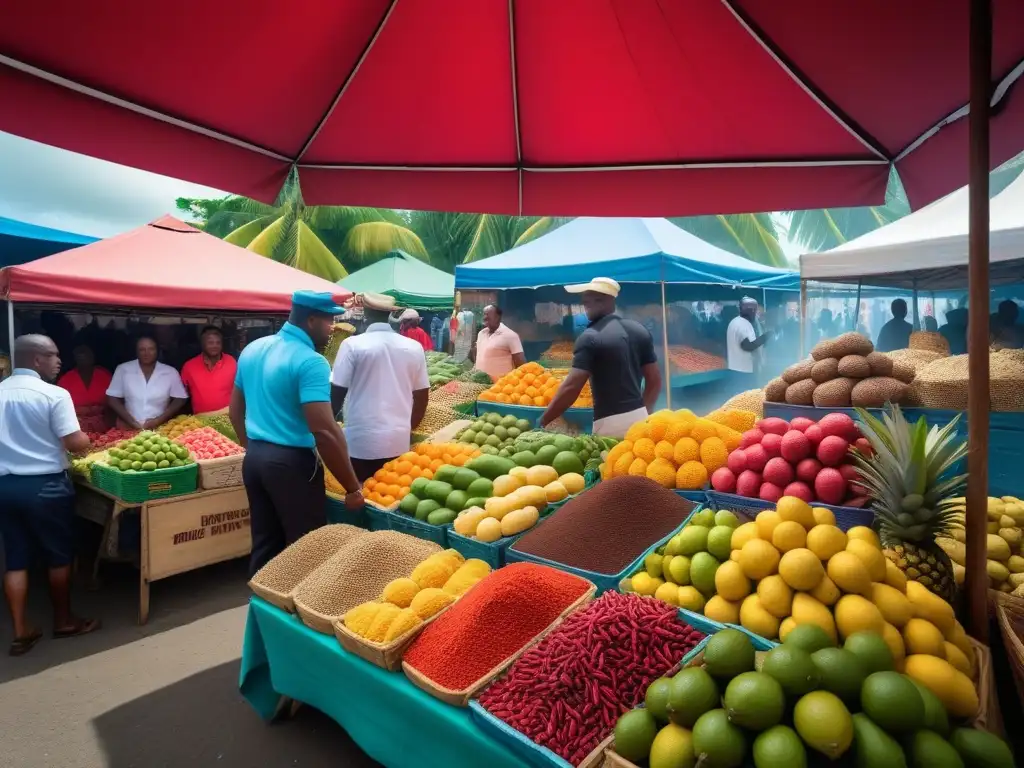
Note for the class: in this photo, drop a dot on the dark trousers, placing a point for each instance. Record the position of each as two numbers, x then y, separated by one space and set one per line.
287 500
367 468
37 517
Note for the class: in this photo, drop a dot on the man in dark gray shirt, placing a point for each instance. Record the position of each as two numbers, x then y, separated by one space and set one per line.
615 355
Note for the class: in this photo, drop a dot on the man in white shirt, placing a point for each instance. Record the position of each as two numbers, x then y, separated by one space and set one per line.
498 348
38 427
380 380
742 343
144 392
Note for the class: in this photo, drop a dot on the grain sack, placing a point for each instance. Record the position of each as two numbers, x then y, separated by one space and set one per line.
855 367
276 581
914 358
801 393
775 391
751 400
851 343
944 383
357 573
1006 380
798 372
825 370
877 391
834 394
932 341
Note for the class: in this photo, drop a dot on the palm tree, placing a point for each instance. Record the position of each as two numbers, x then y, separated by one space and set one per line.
326 241
750 235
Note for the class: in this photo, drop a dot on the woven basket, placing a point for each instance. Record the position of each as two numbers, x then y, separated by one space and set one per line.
225 472
989 717
385 655
461 698
1009 611
932 341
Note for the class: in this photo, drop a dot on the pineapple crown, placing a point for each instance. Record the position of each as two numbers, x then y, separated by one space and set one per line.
909 474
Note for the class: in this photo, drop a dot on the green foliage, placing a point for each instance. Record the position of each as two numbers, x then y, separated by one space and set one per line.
750 235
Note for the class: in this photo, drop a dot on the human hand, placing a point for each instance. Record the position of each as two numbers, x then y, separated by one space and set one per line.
149 424
354 500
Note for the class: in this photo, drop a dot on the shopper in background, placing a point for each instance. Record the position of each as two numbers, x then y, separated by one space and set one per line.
38 428
895 334
210 376
498 349
615 355
144 393
87 382
382 377
281 412
409 327
742 343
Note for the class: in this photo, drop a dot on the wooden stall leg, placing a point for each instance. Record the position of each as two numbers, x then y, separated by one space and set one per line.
144 564
143 599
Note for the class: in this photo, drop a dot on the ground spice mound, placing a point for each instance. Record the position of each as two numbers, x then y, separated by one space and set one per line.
609 526
492 622
567 692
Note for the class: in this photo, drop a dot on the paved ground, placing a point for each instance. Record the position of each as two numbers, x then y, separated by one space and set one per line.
148 697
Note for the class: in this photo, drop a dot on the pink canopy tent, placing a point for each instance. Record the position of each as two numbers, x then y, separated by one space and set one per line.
163 265
575 107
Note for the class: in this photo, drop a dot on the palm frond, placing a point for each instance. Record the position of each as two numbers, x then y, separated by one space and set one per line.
271 241
751 235
312 256
244 234
539 228
370 241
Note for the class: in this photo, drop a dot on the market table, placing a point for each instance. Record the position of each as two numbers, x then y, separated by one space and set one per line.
390 719
178 533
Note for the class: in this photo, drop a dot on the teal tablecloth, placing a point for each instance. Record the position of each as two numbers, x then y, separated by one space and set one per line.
394 722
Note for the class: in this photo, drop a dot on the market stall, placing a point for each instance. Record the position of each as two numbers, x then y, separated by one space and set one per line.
412 282
186 517
679 286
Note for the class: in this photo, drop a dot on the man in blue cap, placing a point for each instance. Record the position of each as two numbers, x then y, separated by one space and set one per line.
281 410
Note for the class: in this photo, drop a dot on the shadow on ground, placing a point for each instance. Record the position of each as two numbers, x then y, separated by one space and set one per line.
203 721
174 602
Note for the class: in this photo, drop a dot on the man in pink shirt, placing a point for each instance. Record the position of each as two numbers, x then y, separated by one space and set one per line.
498 349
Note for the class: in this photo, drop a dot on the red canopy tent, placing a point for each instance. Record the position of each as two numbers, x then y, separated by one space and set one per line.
163 265
575 107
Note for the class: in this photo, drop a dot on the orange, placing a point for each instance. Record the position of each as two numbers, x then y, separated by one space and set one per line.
403 493
436 464
525 400
387 501
503 399
529 378
428 473
405 480
540 401
403 467
370 484
414 473
459 460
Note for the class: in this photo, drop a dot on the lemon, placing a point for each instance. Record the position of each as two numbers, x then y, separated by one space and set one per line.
788 535
775 596
766 522
849 573
723 611
871 556
730 582
759 558
797 510
823 516
825 541
801 569
863 533
743 534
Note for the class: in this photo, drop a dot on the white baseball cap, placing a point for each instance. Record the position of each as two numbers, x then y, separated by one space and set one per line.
604 285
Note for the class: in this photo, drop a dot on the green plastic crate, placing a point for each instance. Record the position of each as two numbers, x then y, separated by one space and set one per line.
140 487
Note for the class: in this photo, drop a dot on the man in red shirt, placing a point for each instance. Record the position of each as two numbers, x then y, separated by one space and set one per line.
210 377
410 328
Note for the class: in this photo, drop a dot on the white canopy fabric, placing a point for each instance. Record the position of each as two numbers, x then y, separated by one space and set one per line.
927 250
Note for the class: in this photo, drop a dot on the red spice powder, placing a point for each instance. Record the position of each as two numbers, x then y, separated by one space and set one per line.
492 622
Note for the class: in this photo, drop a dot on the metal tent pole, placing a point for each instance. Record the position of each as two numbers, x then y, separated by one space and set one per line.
803 318
978 401
664 337
856 306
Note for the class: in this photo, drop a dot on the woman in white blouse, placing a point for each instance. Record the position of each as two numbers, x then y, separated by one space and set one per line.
145 393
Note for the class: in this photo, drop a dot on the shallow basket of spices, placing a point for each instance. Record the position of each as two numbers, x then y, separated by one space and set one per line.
225 472
558 703
493 624
605 532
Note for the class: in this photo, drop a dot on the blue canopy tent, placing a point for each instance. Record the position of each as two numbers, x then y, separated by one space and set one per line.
650 251
21 242
629 250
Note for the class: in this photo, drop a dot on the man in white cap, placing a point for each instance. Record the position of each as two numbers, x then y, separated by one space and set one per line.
742 344
380 380
615 354
409 326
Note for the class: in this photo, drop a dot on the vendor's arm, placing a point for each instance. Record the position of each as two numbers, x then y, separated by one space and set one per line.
115 399
749 346
515 348
236 414
651 373
315 396
566 395
173 408
65 425
338 395
341 378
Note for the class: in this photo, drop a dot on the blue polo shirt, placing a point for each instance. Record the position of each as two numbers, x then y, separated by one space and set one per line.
278 375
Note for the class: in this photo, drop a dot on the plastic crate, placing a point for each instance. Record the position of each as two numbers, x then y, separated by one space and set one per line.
583 418
604 581
846 517
140 487
701 497
421 530
337 512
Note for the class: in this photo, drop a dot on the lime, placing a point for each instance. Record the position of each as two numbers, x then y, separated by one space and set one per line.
779 746
842 673
717 743
754 700
809 637
824 723
693 692
893 702
672 748
793 668
728 653
872 650
657 698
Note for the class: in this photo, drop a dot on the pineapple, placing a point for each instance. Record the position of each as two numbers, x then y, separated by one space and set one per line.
909 477
339 333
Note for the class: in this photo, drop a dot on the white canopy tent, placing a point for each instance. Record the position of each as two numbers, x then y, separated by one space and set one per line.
927 250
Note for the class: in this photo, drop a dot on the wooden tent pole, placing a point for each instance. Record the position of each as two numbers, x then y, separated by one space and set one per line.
978 402
665 350
803 318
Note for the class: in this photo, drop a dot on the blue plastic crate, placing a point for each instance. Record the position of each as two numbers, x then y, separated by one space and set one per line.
604 581
701 497
377 517
846 517
337 512
583 418
421 530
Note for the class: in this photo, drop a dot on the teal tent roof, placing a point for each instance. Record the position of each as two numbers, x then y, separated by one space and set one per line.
412 282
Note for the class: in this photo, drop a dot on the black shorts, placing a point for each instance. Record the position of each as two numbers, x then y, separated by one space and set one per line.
37 513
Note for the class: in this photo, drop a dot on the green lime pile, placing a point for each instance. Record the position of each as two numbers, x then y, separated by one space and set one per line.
146 452
494 433
804 701
439 501
683 571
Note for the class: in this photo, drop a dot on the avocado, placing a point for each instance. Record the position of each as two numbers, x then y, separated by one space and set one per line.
409 504
425 507
873 747
441 516
438 490
462 478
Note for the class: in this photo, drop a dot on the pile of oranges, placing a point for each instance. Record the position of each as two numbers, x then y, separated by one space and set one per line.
390 484
532 384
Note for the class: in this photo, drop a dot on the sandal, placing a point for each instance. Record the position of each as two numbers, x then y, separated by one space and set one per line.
79 627
22 645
